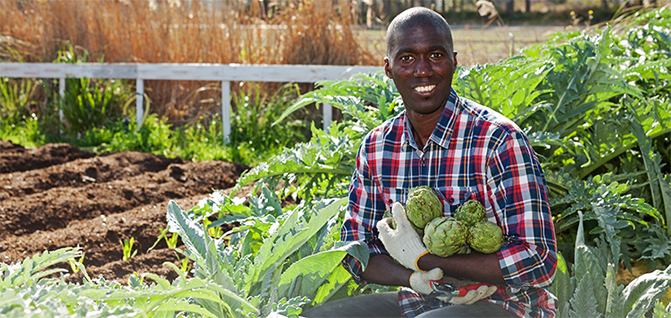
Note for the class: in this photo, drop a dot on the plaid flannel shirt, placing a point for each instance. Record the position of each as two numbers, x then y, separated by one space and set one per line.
473 153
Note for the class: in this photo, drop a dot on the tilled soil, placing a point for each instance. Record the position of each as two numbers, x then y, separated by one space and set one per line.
58 196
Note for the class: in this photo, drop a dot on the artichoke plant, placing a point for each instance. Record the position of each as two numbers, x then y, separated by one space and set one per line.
485 237
423 205
470 213
444 236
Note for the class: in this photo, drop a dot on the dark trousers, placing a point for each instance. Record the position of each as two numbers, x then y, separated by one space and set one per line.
386 305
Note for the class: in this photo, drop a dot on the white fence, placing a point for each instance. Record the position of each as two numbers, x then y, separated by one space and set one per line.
188 72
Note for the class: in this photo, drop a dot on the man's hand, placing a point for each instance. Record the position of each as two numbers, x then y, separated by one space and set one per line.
421 282
472 293
403 243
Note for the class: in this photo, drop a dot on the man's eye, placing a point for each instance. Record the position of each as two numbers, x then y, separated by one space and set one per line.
406 58
436 55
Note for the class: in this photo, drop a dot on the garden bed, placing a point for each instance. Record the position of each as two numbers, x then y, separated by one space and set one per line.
57 196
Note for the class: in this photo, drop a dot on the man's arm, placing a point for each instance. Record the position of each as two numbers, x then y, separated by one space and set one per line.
365 208
517 194
383 270
479 267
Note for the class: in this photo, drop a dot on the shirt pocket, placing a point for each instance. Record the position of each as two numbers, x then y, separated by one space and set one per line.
391 195
453 197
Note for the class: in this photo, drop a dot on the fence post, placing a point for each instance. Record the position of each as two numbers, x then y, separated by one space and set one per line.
139 101
226 110
61 93
328 116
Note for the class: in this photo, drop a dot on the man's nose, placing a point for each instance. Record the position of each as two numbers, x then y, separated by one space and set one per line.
423 68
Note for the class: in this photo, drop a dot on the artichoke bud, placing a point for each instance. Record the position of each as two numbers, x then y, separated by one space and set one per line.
423 205
485 237
444 236
470 213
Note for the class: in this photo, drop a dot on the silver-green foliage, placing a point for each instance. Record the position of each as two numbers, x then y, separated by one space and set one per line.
275 262
590 288
26 292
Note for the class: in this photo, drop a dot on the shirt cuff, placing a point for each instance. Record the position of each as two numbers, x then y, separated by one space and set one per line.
353 266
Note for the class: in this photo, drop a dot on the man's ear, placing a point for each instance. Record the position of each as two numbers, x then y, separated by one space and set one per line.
454 57
387 67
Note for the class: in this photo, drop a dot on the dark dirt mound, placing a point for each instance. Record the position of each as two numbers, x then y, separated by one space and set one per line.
15 158
82 172
95 202
99 236
57 207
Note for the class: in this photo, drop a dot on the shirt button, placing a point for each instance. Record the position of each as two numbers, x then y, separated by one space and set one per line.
423 162
450 200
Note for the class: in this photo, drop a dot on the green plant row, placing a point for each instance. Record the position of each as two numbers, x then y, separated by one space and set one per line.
253 139
96 115
276 262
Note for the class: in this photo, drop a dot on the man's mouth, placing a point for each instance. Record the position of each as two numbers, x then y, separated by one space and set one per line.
424 89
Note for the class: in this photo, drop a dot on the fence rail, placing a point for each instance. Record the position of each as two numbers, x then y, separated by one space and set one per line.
226 73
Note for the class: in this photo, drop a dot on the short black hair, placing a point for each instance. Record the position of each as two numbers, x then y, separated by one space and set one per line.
417 17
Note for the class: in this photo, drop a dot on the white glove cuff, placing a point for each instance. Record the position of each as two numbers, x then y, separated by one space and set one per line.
420 284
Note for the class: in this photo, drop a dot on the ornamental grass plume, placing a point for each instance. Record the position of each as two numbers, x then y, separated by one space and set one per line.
170 31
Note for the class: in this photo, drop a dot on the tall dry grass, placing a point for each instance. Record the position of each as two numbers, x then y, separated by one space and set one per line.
174 31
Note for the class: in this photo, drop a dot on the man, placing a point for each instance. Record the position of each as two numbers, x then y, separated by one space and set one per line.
463 151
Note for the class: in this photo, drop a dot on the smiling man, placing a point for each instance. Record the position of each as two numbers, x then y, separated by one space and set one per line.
463 151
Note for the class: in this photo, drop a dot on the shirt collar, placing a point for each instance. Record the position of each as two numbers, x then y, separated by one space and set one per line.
443 131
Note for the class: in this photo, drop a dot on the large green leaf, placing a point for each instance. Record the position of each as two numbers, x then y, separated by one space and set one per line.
192 233
514 81
287 239
306 275
320 275
661 190
642 293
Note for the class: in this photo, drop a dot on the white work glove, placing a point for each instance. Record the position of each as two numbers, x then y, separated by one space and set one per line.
421 281
403 243
472 293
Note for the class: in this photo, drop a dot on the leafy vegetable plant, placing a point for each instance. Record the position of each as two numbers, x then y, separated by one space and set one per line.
590 288
276 262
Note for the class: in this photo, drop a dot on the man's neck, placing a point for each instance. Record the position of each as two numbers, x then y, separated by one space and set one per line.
422 126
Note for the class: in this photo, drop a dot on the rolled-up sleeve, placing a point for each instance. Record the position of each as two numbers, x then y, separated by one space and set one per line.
520 201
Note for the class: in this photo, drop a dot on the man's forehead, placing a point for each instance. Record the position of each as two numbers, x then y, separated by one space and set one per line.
408 38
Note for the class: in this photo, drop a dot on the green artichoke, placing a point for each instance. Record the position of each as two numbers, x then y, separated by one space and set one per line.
470 213
444 236
423 205
485 237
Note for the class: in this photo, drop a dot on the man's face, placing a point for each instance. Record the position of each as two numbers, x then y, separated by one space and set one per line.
421 63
